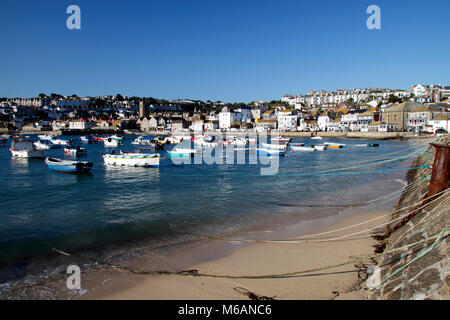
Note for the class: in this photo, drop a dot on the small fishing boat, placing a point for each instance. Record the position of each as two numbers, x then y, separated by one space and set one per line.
88 139
76 151
98 138
46 136
206 141
5 136
317 138
373 145
297 144
43 145
235 141
109 142
334 145
116 137
271 152
25 149
143 141
280 139
131 159
61 142
319 148
297 148
66 166
274 146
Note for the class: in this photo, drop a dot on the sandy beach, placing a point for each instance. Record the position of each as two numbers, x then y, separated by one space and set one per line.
218 257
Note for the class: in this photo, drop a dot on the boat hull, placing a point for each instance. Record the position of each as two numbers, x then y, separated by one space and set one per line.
71 167
136 160
32 154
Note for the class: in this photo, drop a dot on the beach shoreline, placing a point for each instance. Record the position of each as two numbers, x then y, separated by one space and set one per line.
219 257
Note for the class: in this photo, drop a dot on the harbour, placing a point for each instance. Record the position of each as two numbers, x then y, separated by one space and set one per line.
122 212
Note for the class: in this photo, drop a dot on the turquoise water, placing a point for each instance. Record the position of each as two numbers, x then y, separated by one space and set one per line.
116 206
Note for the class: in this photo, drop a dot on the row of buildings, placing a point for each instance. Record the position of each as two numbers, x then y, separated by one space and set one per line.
342 110
418 93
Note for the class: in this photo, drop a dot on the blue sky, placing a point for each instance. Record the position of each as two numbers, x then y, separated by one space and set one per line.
220 50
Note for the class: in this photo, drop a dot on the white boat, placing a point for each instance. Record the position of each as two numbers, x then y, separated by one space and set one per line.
317 138
46 136
297 148
238 142
206 141
275 146
43 145
143 141
109 142
320 148
130 159
280 139
60 142
25 149
75 151
116 137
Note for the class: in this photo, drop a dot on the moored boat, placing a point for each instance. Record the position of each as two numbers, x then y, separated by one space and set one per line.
66 166
319 148
280 139
131 159
43 145
25 149
46 136
116 137
75 150
61 142
109 142
298 148
317 138
274 146
334 145
87 139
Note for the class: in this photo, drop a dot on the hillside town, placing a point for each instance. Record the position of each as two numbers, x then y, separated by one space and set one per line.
422 109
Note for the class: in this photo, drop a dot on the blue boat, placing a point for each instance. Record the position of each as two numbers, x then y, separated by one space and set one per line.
64 166
87 139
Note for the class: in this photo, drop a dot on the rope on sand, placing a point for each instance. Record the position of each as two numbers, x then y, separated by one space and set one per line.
195 273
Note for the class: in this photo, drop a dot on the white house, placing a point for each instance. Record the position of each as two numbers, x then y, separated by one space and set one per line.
227 118
420 90
79 125
287 122
441 121
350 121
323 122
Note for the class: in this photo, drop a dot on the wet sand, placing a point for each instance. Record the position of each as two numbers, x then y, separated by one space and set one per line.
219 257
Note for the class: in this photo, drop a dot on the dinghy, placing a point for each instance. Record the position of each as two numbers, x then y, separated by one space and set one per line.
65 166
131 159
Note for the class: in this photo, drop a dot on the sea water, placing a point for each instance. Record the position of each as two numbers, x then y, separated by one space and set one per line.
122 208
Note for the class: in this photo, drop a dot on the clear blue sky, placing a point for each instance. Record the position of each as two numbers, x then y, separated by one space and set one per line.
220 50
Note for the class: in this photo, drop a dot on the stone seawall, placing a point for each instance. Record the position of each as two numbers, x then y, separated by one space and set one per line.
428 274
